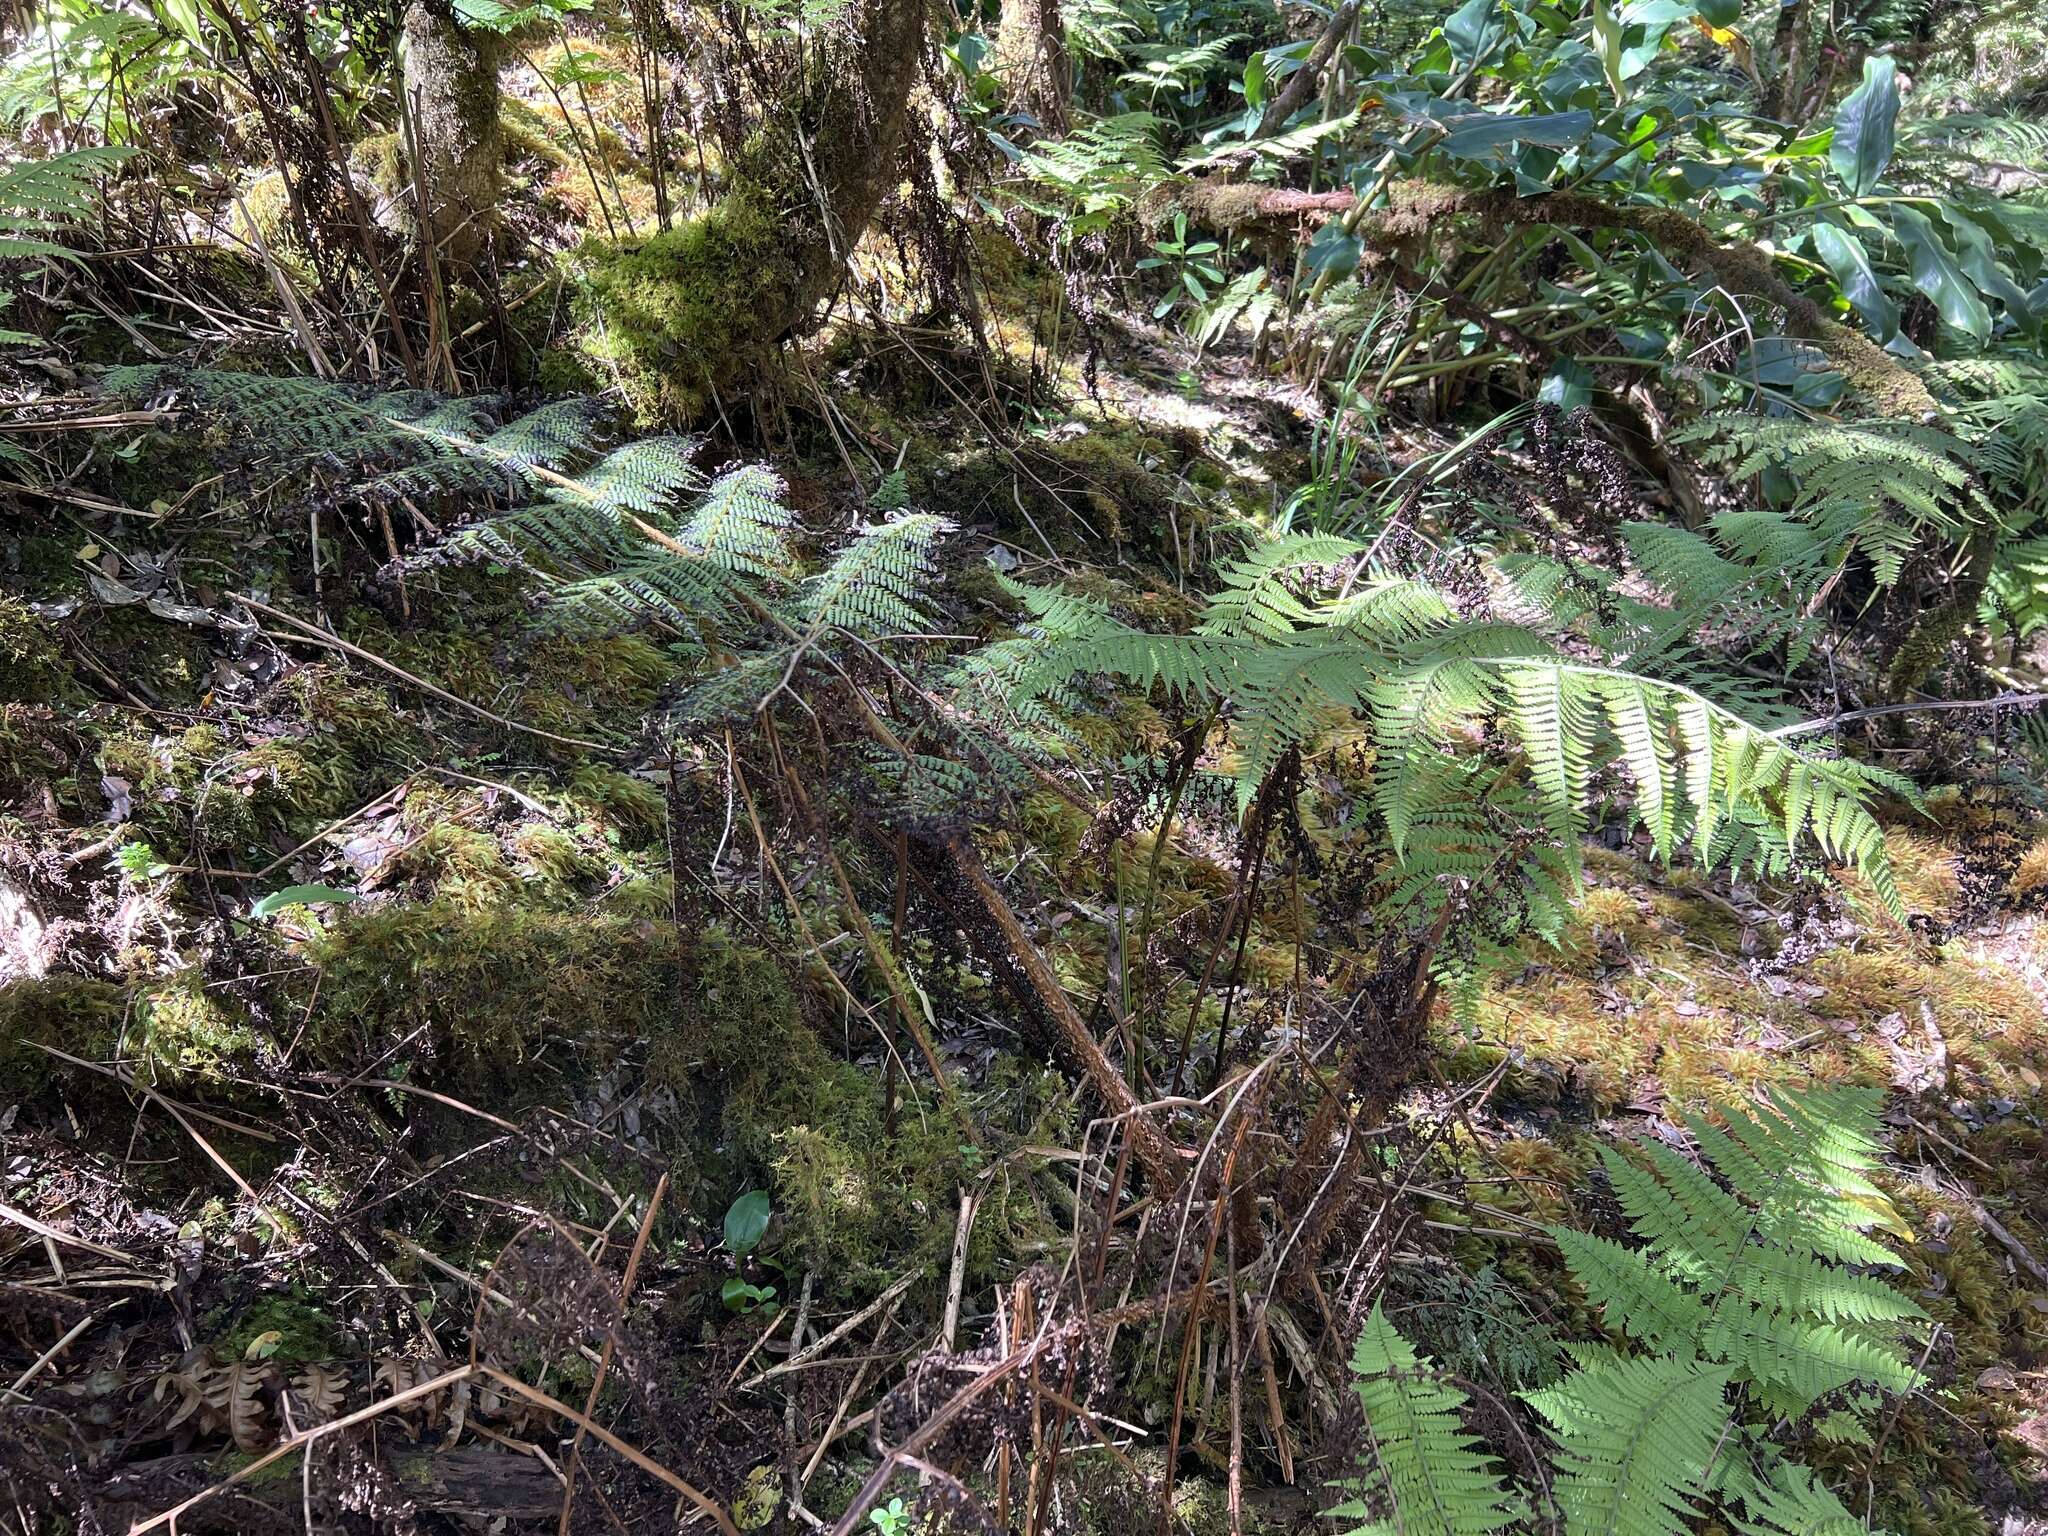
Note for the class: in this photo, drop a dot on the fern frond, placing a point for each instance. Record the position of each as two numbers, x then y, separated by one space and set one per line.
876 584
1421 1462
1635 1439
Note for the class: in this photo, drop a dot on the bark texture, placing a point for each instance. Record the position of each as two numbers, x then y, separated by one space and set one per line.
1031 58
690 311
455 142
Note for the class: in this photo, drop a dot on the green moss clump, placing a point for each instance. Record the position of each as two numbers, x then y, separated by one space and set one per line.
672 315
380 161
183 1034
849 1194
489 989
32 668
196 780
304 1332
77 1014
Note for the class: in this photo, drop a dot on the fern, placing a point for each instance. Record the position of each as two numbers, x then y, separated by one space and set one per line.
39 197
1635 1441
1422 1463
1878 484
1391 650
1746 1269
1748 1301
874 585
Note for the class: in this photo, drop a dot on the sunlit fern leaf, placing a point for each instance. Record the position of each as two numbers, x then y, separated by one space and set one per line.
552 436
1423 1473
1259 593
877 584
1634 1440
39 197
1883 483
741 522
1791 1501
643 477
1747 1255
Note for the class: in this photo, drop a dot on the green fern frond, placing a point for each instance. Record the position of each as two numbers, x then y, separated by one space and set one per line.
1635 1440
1422 1464
877 583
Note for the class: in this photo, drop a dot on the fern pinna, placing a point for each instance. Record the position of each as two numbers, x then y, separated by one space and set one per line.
1750 1306
1308 632
629 535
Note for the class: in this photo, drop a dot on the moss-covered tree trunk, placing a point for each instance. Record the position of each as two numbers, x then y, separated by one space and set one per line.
1031 57
455 144
694 309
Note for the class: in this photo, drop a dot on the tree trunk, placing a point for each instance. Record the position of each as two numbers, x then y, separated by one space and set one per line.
455 143
695 308
1031 58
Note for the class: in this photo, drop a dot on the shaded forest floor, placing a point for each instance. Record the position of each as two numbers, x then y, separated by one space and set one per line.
261 1164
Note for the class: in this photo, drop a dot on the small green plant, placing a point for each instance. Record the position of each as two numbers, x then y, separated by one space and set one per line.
746 1223
891 1519
138 861
1751 1305
1190 268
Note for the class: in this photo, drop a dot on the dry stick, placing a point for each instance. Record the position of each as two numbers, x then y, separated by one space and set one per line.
127 1080
639 1458
1002 1371
1302 83
50 1234
1187 1351
963 1233
604 1363
325 637
1148 1142
860 1376
803 926
285 293
1236 1479
802 1355
57 1349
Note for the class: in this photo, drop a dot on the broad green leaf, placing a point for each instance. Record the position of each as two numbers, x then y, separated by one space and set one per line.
300 896
746 1221
1977 250
1847 260
1864 126
1607 43
1480 135
1474 31
1936 274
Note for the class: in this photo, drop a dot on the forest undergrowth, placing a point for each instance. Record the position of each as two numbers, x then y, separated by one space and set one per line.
1048 770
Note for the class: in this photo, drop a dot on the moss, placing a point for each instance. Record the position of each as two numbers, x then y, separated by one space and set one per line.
196 780
850 1194
262 217
671 317
304 1332
78 1014
488 991
32 666
184 1034
461 866
380 161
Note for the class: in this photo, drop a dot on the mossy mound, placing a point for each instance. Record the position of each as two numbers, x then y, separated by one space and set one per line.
850 1190
670 317
497 999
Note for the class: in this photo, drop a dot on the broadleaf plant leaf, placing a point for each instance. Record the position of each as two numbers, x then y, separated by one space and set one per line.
1865 125
300 896
746 1221
1847 260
